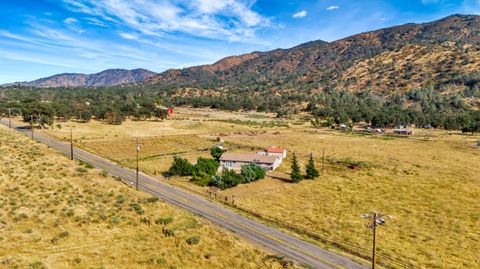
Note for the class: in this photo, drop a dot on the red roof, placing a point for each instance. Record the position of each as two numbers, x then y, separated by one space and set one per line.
275 150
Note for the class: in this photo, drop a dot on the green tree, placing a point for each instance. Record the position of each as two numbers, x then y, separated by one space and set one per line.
216 153
296 174
114 117
311 171
180 167
228 179
252 172
207 166
160 113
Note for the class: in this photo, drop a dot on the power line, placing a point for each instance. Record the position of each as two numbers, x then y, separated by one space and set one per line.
375 219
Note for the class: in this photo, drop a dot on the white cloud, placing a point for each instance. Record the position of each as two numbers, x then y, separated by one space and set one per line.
128 36
70 20
332 7
232 20
300 14
95 21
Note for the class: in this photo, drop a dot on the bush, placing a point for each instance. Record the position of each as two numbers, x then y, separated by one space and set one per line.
180 167
168 232
193 240
152 199
228 179
88 166
252 172
164 221
81 170
121 199
207 166
59 236
137 208
201 178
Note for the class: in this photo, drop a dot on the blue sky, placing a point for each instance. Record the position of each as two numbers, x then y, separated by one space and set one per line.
39 38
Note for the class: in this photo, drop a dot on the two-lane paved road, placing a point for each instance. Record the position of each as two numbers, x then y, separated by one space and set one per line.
271 238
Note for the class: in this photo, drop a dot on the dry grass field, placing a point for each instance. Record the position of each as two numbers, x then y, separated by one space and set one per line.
429 183
57 213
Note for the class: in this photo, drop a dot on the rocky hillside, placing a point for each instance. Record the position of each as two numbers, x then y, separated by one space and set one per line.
110 77
443 54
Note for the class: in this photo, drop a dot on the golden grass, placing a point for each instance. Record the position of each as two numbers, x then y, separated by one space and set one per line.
431 187
56 213
430 183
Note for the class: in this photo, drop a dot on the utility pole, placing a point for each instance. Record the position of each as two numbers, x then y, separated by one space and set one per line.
323 161
375 219
9 118
138 150
71 142
31 124
374 224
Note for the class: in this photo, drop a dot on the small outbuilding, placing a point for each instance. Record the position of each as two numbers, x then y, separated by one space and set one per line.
403 132
274 151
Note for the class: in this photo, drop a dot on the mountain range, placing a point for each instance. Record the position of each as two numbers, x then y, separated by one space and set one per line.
109 77
395 59
444 55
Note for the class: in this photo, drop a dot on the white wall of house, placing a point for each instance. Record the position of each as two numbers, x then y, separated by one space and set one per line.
237 166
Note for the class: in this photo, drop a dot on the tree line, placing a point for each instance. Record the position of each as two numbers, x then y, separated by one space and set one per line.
422 107
111 110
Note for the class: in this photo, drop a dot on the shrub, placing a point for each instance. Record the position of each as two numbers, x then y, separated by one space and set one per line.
193 240
180 167
121 199
59 236
228 179
164 221
36 265
168 232
137 208
70 213
207 166
201 178
81 170
252 172
88 166
152 199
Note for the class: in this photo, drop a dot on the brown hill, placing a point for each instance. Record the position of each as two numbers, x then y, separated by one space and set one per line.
110 77
395 59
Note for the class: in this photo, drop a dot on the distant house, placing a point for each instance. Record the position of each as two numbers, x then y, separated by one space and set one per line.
274 151
403 132
235 161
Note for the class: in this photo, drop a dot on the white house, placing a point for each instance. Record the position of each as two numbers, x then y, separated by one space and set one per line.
235 161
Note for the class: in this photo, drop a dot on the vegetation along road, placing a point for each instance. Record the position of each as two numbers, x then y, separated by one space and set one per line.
254 231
